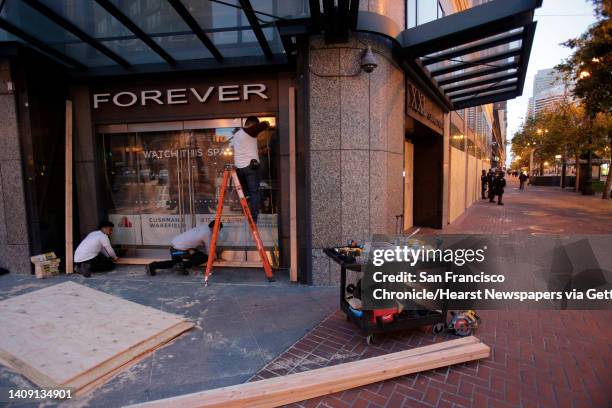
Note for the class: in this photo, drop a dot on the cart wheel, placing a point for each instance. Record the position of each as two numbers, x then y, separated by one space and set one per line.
348 318
370 340
438 328
462 327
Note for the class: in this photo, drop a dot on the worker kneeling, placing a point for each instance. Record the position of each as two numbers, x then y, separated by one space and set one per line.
95 253
188 249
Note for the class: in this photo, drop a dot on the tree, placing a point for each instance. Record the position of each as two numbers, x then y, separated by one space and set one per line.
589 67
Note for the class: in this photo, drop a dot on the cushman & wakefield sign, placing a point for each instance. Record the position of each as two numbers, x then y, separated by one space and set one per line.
176 99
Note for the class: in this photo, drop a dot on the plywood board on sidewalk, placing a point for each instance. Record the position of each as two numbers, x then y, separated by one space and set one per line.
274 392
69 335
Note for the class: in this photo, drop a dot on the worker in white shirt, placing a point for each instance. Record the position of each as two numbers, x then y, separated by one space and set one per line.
95 253
246 160
188 249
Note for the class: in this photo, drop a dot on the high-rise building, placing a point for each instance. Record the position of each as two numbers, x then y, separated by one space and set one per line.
548 88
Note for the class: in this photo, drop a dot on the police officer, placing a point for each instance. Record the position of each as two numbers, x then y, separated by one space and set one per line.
490 181
498 187
483 183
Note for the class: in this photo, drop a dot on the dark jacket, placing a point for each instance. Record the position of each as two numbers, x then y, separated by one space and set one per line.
498 184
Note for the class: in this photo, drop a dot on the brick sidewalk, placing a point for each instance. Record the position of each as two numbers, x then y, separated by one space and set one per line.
539 358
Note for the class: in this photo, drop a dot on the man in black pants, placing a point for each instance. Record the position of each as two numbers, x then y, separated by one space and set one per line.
498 187
95 253
246 160
490 182
185 250
483 184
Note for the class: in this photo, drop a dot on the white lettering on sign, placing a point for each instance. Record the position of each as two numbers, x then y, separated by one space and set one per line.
177 96
98 98
131 99
229 93
153 95
224 93
170 153
202 99
258 89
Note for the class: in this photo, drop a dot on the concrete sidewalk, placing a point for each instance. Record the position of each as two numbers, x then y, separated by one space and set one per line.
539 358
242 323
536 210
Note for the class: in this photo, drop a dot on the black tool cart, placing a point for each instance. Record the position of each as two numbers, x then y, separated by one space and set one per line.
372 322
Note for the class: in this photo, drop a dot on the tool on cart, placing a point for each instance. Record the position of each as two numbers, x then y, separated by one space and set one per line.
230 172
462 323
372 322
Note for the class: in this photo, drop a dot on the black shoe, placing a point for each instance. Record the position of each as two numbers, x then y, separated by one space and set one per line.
151 270
500 203
83 269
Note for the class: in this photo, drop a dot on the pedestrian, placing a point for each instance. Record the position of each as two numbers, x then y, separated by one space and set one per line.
246 160
490 181
483 183
187 250
522 179
498 187
95 253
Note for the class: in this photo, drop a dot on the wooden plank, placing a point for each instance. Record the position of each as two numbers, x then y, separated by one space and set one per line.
68 190
278 391
293 272
69 335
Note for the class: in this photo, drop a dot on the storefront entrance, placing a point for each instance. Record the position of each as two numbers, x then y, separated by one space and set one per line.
163 178
428 177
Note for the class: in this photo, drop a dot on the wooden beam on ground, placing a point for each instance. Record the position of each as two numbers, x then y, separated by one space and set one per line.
68 190
273 392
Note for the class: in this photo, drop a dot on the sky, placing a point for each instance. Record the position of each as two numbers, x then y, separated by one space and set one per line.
558 20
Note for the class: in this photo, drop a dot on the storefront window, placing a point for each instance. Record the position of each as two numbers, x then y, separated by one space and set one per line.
163 178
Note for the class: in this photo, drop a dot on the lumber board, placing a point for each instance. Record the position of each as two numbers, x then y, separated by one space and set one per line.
68 222
278 391
293 250
69 335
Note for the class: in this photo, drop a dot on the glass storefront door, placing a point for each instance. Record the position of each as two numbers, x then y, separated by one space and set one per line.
161 179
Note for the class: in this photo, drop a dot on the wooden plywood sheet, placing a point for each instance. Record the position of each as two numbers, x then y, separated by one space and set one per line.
69 335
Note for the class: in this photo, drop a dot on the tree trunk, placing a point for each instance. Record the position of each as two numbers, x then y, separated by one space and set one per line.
608 186
577 186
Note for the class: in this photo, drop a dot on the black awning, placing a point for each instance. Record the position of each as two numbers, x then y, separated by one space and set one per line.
119 36
476 56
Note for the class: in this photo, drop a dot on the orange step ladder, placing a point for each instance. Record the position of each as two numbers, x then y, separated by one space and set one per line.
230 171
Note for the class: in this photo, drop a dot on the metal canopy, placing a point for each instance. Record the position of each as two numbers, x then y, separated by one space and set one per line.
476 56
108 37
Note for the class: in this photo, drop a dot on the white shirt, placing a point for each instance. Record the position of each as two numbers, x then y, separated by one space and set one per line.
245 149
94 243
193 238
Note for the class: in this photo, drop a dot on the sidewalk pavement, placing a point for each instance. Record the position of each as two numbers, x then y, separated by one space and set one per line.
539 358
536 210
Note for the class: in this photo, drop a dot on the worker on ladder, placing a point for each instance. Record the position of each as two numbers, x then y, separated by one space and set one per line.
246 160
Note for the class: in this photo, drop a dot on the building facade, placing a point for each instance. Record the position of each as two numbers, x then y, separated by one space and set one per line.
382 117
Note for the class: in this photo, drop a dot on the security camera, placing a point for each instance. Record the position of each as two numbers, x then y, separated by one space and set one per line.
368 60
